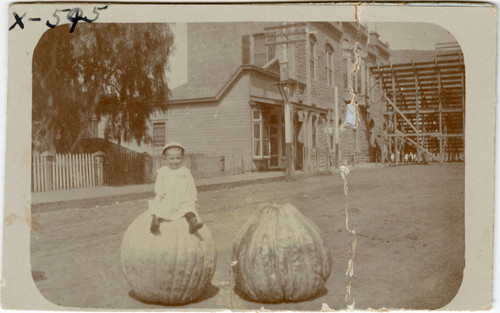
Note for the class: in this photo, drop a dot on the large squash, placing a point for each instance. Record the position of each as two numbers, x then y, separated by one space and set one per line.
280 256
172 268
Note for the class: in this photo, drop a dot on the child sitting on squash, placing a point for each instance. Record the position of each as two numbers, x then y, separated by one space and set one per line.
176 194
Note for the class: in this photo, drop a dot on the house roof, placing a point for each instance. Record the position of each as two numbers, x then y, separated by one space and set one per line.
187 93
182 95
180 92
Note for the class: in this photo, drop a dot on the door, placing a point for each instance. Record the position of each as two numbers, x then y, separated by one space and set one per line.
276 135
275 149
299 146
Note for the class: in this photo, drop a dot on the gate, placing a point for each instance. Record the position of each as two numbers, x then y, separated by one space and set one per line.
124 168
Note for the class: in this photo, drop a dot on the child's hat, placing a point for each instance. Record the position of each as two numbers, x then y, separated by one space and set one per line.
172 144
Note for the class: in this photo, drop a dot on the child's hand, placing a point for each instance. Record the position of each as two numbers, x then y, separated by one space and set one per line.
162 196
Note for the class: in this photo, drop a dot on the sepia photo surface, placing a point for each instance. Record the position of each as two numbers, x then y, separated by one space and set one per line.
248 157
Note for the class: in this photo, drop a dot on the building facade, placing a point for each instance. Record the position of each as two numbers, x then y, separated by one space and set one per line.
239 74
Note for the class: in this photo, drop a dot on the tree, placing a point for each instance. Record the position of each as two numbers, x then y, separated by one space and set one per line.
115 73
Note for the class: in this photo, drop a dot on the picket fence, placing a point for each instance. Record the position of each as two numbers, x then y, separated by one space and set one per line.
65 171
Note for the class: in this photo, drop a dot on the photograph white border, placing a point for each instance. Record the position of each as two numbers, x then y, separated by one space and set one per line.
474 27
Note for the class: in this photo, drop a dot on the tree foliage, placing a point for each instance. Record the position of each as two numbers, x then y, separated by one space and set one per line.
114 73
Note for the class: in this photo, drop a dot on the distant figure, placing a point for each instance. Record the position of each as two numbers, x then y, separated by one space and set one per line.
401 149
422 158
176 194
390 150
446 154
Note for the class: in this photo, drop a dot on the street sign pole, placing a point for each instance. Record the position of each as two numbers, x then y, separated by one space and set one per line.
283 58
281 40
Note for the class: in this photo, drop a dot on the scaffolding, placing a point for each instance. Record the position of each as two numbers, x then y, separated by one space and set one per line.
424 106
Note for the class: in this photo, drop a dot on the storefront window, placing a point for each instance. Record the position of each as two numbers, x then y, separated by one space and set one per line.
265 140
261 142
257 139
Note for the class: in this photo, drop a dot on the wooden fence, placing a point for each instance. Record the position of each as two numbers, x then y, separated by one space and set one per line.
66 171
125 168
203 165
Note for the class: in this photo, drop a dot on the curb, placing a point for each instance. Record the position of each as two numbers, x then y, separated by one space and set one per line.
106 200
88 203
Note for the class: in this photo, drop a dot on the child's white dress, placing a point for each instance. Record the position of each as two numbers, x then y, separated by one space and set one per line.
176 193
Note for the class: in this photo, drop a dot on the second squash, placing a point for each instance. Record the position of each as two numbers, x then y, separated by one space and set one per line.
280 256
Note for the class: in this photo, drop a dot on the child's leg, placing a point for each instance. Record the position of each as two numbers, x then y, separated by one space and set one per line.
155 226
193 221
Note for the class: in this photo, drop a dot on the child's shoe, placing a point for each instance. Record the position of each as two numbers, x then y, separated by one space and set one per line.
193 222
155 226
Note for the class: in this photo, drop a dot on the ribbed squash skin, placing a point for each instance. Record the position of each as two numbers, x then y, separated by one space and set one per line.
280 256
173 268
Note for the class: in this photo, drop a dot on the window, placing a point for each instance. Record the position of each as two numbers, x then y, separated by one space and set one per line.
358 80
364 79
346 64
312 56
283 138
260 132
355 130
331 134
346 73
259 49
262 53
313 132
367 80
159 134
93 128
271 52
329 65
291 61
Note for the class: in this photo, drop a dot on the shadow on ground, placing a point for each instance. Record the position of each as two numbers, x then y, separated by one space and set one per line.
210 291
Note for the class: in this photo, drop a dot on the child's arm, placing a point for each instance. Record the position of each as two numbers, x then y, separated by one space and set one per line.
159 186
159 181
155 224
192 192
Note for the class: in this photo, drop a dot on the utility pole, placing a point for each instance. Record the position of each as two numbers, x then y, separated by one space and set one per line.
282 36
336 128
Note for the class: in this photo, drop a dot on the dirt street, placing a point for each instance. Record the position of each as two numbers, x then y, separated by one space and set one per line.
409 222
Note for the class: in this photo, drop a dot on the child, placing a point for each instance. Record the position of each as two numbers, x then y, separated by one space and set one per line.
176 194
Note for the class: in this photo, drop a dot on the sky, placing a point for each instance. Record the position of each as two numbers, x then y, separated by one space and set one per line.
411 36
178 60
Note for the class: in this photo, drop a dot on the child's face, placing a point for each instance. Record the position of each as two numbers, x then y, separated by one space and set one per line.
174 158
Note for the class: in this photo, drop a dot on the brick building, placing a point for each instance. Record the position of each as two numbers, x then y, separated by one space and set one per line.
232 106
